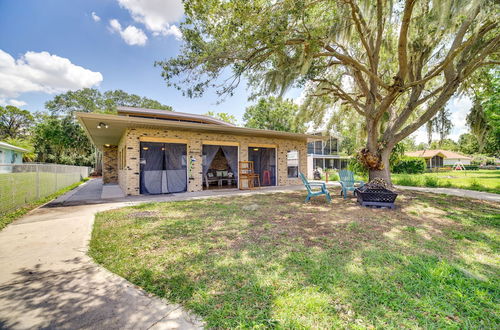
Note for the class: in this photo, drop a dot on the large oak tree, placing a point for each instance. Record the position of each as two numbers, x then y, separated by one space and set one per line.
396 63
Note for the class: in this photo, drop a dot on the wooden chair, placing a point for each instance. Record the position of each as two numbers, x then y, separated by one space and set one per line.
247 174
311 192
348 183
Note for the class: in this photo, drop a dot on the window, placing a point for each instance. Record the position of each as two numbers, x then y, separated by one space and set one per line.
14 157
310 148
293 163
318 147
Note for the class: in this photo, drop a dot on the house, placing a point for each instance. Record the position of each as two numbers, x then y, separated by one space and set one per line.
148 151
324 154
9 155
440 158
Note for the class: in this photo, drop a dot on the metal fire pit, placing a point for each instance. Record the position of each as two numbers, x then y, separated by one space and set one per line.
375 195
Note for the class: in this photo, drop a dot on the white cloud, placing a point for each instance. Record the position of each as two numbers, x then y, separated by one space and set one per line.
131 34
157 16
42 72
16 103
174 31
95 17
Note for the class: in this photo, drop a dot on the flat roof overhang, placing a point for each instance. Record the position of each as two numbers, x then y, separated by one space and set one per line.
116 126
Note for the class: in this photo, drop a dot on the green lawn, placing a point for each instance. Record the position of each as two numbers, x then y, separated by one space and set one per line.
19 189
23 208
481 180
271 261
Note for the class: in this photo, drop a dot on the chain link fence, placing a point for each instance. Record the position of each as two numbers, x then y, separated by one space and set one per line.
24 183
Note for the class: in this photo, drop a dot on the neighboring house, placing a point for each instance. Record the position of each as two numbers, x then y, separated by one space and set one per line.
440 158
149 151
9 155
323 154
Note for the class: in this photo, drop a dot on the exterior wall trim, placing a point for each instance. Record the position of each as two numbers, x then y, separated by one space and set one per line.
262 145
221 143
162 140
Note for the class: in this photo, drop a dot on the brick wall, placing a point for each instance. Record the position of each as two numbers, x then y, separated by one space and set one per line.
110 164
130 142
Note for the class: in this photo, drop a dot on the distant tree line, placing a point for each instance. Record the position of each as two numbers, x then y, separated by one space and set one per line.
54 135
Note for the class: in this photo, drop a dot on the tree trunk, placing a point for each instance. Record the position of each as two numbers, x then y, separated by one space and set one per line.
384 173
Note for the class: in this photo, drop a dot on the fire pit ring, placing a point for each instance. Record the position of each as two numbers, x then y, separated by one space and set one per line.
376 194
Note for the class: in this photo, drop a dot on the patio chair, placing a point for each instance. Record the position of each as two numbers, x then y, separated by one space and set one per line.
311 192
348 183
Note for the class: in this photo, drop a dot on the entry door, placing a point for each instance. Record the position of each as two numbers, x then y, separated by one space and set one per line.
163 168
264 162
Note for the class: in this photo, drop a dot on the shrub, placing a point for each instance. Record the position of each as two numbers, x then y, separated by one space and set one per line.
474 185
409 165
471 167
479 159
356 167
406 180
431 181
332 176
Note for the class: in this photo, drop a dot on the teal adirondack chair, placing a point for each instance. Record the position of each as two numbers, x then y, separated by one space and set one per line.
312 193
348 183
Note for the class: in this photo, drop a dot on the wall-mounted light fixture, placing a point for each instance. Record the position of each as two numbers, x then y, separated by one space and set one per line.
107 145
102 125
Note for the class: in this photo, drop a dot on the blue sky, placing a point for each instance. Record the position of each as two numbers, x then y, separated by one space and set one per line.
50 46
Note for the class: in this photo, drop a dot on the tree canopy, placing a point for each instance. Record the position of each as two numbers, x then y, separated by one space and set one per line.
14 122
395 63
274 114
58 138
224 116
92 100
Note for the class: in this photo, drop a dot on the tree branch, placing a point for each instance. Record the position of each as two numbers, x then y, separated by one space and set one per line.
403 39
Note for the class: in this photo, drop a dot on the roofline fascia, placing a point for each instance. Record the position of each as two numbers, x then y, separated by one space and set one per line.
181 125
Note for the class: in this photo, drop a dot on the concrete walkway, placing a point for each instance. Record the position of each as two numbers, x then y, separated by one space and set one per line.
48 281
446 191
457 192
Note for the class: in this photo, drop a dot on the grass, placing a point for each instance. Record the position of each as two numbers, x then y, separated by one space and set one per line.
19 189
272 261
7 218
480 180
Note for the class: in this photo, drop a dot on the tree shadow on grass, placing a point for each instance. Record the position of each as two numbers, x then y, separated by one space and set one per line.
84 298
290 264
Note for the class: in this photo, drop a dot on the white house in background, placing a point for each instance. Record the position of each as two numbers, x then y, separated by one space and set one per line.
10 154
440 158
324 154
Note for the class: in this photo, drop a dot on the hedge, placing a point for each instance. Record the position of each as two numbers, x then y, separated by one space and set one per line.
409 165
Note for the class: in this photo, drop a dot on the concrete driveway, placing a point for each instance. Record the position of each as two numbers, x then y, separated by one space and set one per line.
47 280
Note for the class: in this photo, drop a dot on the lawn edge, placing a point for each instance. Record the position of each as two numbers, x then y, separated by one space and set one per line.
12 216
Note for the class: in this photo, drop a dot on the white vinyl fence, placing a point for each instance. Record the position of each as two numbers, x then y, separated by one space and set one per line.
24 183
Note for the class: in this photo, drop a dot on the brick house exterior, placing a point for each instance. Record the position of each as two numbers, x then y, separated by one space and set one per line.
120 138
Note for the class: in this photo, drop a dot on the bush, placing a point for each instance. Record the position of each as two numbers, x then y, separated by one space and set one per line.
474 185
356 167
430 181
409 165
471 167
332 176
406 180
479 159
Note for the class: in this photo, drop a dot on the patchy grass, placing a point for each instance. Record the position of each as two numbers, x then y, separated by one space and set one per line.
7 218
430 263
480 180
